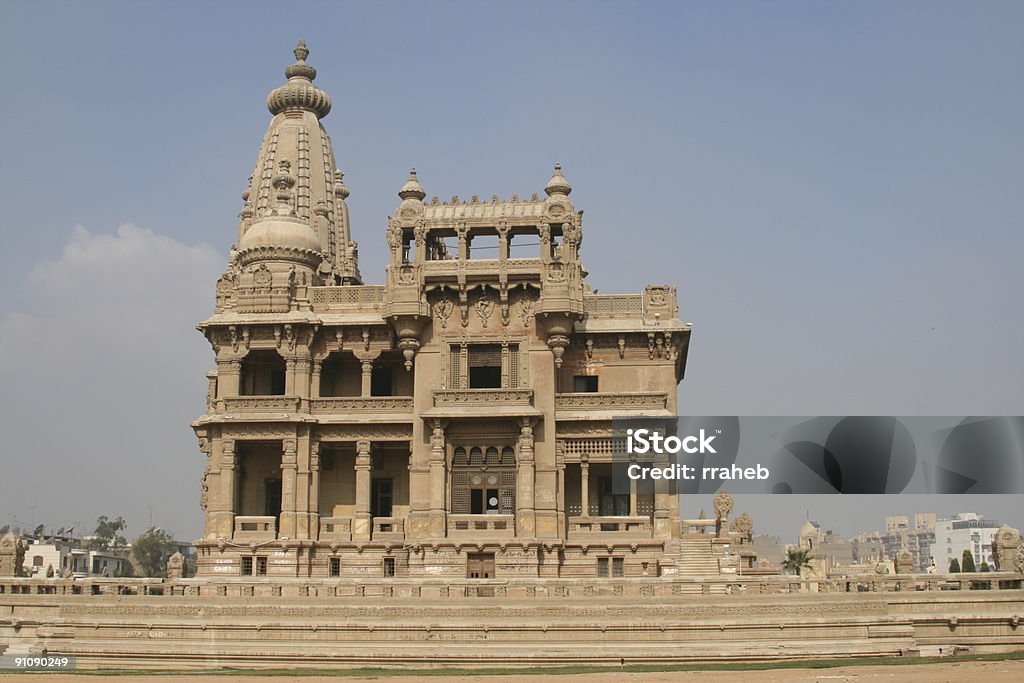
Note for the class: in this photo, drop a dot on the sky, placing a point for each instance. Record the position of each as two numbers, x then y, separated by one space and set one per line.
835 189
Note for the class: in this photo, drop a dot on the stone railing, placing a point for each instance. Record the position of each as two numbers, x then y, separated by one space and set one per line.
481 526
352 298
335 528
255 528
899 586
483 397
388 528
624 401
600 527
258 404
360 404
613 305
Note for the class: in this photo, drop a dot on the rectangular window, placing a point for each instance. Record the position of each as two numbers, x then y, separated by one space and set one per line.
335 566
485 366
584 384
389 567
261 566
246 566
602 566
618 566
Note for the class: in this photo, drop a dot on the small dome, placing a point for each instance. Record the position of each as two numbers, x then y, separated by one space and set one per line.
558 184
412 188
299 92
808 529
280 231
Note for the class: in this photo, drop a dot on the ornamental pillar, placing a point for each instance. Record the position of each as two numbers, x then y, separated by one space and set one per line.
584 485
228 373
632 490
314 489
361 525
525 514
367 366
227 498
438 492
314 381
289 467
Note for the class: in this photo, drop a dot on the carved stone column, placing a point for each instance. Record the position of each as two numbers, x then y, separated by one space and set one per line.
289 376
438 488
584 485
228 374
525 521
289 465
314 490
301 386
361 525
662 500
314 381
226 503
367 366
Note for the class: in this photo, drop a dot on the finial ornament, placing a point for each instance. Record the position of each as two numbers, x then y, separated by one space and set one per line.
299 93
558 184
412 188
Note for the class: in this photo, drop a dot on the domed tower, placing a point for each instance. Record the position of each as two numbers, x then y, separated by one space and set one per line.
294 219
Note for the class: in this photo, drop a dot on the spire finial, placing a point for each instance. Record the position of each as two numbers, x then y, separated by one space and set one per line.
299 92
301 51
558 184
412 188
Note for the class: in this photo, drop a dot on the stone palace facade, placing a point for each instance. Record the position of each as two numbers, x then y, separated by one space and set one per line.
452 422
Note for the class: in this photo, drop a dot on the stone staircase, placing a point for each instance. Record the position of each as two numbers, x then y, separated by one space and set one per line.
695 558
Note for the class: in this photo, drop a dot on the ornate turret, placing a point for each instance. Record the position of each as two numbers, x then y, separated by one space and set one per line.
294 211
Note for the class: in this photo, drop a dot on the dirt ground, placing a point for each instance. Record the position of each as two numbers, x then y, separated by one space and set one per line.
952 672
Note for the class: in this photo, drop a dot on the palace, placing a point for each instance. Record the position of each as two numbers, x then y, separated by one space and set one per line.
455 421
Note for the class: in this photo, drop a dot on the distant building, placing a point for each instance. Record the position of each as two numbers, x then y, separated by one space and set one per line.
965 531
61 555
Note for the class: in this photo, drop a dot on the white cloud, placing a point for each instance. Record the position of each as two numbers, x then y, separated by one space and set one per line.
102 370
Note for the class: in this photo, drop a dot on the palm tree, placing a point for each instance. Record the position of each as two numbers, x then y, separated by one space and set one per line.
796 561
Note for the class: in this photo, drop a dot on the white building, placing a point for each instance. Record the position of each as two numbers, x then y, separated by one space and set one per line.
965 531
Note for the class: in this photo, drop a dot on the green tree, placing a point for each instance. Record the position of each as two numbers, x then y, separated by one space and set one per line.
108 534
151 551
796 561
968 562
984 567
954 566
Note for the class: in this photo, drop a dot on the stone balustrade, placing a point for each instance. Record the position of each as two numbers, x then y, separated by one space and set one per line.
361 404
259 404
388 528
483 397
255 528
350 298
993 583
481 526
620 401
613 305
336 529
609 526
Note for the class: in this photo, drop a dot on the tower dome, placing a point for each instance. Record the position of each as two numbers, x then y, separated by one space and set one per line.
295 202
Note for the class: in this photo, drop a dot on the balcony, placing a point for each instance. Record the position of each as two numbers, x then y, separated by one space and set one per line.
336 529
259 404
614 403
388 529
255 528
482 403
347 299
581 528
481 526
344 405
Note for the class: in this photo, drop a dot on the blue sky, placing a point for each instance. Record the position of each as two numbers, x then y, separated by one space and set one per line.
835 188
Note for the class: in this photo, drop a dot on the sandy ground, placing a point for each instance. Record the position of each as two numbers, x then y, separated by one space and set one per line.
953 672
